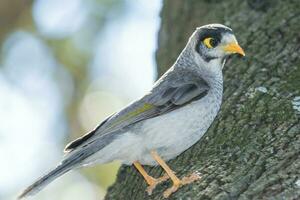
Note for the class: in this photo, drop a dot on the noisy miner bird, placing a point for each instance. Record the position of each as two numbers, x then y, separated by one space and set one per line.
169 119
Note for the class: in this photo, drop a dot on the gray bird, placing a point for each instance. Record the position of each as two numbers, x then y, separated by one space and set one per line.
169 119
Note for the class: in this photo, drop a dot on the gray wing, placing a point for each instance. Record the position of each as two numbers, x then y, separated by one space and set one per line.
171 92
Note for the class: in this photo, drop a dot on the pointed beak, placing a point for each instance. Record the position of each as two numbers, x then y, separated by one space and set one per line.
234 48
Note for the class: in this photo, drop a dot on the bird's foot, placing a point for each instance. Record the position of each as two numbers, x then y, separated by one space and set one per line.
155 181
184 181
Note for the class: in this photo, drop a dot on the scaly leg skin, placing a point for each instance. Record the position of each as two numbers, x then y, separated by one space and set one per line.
177 183
152 182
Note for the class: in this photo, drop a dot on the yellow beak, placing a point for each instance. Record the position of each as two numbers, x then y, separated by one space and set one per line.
234 48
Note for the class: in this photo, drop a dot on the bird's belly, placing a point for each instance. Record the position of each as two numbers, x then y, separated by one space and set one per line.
173 133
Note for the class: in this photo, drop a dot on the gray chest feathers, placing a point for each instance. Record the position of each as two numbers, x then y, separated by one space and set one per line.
174 132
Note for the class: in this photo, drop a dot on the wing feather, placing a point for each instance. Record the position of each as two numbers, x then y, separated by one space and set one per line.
170 92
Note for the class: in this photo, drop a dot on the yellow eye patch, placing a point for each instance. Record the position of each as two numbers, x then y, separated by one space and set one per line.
210 42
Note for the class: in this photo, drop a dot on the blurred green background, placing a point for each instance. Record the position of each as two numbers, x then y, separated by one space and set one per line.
64 66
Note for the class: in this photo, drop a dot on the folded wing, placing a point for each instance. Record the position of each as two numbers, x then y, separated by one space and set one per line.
169 93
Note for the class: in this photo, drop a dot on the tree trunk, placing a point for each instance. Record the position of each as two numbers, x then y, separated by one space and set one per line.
252 149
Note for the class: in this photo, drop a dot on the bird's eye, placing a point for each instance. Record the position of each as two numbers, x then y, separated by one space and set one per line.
210 42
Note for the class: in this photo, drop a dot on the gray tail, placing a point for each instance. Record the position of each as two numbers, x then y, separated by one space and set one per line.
42 182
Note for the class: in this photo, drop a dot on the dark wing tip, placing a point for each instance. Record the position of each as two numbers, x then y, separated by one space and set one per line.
71 146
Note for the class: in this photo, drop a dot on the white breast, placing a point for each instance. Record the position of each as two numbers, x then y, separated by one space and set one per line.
169 134
173 133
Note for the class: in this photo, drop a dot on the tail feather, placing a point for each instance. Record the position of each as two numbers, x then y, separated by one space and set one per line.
46 179
72 160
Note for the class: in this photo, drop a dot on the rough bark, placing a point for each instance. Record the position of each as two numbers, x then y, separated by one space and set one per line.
252 149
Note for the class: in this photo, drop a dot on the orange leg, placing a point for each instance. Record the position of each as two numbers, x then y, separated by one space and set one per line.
177 183
152 182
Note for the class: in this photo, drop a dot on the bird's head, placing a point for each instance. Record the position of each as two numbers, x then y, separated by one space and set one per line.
211 44
215 41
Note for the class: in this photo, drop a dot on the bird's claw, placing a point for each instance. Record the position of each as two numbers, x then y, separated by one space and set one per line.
184 181
191 178
155 182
